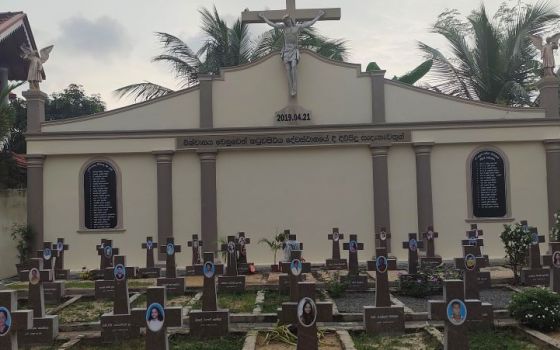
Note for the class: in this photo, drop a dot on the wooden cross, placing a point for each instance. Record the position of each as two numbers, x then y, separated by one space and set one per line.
553 261
455 311
470 265
59 247
382 238
149 245
429 237
106 251
412 245
242 243
534 248
298 15
121 304
156 323
209 270
335 237
295 268
381 264
169 249
231 248
196 245
37 276
47 255
14 320
352 246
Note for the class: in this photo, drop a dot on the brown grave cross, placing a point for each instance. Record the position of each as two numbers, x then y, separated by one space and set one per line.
429 237
149 245
230 248
335 237
106 251
352 246
553 261
46 254
12 320
156 318
383 238
121 304
381 264
59 247
474 238
196 244
298 15
295 268
169 249
209 270
534 248
412 245
37 276
470 264
242 243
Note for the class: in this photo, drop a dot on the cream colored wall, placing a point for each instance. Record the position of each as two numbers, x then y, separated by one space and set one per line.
13 210
250 97
527 174
186 202
413 105
66 146
61 184
179 111
309 191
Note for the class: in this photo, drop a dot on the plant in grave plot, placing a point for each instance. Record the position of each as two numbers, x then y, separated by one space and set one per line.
23 235
537 308
555 230
275 244
428 281
284 335
335 287
516 244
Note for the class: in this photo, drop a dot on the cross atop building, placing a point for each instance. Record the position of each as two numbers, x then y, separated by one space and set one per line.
332 14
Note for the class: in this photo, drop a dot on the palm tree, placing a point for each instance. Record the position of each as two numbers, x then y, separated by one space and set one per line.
492 60
409 78
224 47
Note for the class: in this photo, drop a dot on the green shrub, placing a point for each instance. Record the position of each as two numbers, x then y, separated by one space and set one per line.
555 230
336 287
516 241
537 308
23 235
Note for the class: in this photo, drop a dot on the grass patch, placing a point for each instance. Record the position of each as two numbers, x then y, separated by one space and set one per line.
178 342
182 300
18 285
273 300
235 302
500 340
142 283
79 284
85 311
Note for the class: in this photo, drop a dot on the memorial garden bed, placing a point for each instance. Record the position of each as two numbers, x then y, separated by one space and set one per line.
265 341
354 302
180 300
85 310
235 302
176 342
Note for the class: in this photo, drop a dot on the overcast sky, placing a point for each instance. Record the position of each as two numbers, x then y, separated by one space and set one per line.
106 44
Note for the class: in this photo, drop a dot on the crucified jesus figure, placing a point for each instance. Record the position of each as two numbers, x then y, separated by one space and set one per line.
290 51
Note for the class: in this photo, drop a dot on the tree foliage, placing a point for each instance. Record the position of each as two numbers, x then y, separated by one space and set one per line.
492 59
224 46
409 78
72 102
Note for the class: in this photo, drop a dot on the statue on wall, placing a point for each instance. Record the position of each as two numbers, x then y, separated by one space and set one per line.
36 60
547 52
290 52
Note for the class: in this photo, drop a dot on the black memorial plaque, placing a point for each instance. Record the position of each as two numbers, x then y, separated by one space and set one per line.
488 185
100 196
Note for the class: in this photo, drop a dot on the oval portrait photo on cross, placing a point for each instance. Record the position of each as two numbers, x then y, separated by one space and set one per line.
5 321
307 312
155 317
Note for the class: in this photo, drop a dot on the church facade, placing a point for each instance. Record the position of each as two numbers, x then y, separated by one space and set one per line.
237 153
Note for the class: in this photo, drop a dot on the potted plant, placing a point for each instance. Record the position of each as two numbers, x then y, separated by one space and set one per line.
23 235
275 245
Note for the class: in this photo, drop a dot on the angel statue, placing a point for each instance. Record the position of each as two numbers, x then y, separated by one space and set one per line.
290 51
547 52
36 60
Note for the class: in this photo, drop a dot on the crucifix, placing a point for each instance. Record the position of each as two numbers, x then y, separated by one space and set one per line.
352 246
156 318
196 245
209 322
175 285
292 22
12 320
119 324
45 327
295 268
150 271
553 261
336 263
470 265
412 245
59 247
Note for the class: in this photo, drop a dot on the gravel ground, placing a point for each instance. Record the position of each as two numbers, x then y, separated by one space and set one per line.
355 302
418 304
498 297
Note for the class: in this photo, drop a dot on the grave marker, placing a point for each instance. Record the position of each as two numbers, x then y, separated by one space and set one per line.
231 281
119 324
106 251
12 320
335 262
354 280
553 261
196 246
156 318
59 248
412 245
470 265
295 269
45 327
47 255
174 285
306 312
383 318
150 271
209 322
431 259
290 243
534 274
383 238
242 264
474 238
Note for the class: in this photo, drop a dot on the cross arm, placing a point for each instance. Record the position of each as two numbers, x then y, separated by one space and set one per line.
22 319
331 14
174 317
